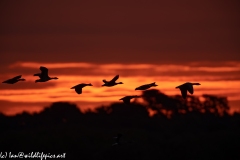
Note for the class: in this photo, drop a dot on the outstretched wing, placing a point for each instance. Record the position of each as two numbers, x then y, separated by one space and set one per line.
17 77
126 99
78 90
74 87
190 88
184 92
115 78
44 71
37 74
180 86
143 87
105 81
81 85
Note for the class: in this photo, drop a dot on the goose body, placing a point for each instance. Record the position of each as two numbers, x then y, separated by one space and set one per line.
146 86
78 88
127 99
14 80
187 87
112 82
43 75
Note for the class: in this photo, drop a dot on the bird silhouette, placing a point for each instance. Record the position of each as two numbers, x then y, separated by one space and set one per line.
78 88
112 82
127 99
188 86
146 86
43 75
117 139
14 80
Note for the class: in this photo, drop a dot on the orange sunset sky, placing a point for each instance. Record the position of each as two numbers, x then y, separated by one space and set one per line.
144 41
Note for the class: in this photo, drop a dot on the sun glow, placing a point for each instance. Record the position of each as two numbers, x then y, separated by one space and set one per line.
132 76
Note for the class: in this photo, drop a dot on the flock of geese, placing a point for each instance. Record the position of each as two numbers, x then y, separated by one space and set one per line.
44 77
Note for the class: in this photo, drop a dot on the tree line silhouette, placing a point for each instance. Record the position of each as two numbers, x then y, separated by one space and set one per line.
195 128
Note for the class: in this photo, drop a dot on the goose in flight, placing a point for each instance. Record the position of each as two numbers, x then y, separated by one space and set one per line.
112 82
14 80
127 99
146 86
43 75
117 139
188 86
78 88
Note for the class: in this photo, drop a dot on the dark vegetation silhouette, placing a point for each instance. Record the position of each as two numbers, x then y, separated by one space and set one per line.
195 128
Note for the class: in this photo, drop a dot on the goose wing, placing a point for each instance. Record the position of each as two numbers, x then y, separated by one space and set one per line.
183 92
126 99
8 81
189 87
143 87
105 81
44 71
17 77
115 78
74 87
12 80
78 90
81 85
180 85
37 74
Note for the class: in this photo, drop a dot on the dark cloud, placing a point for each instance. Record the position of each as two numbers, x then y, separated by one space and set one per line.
126 31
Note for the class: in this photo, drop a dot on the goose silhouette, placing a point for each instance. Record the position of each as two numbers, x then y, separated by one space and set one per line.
117 139
112 82
43 75
127 99
78 88
146 86
187 87
14 80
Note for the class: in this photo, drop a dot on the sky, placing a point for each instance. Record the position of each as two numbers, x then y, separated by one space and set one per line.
144 41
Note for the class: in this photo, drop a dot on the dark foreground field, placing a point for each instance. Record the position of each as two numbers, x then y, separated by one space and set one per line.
95 143
63 128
